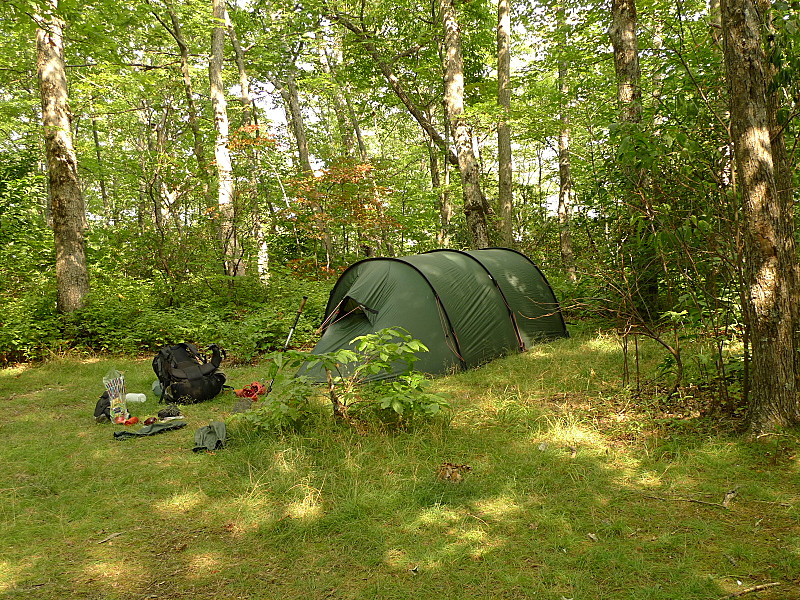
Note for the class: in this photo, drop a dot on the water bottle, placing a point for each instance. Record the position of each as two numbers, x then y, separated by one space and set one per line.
135 398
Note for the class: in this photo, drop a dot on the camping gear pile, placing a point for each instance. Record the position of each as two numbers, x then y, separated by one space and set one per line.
185 376
467 308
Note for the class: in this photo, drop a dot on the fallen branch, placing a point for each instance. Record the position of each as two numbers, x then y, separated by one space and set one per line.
110 537
755 588
714 504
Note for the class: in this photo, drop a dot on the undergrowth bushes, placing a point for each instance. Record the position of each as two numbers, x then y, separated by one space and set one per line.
130 316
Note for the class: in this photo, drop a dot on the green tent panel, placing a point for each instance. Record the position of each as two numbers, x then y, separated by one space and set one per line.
466 307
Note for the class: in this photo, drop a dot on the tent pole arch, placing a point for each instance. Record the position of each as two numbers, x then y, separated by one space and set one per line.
544 279
511 315
440 305
468 307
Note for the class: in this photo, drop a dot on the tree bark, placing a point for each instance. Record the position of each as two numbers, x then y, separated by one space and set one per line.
643 257
245 98
65 194
476 208
291 102
290 95
445 207
341 106
232 259
783 166
505 194
626 59
249 125
770 255
192 111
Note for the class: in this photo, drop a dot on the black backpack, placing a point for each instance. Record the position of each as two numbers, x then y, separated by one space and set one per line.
186 375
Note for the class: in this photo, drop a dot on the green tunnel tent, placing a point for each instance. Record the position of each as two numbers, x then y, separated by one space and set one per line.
466 307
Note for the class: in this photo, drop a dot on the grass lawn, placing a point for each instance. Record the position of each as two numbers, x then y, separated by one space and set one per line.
579 490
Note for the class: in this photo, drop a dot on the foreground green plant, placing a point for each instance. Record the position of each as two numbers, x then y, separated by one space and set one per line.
352 394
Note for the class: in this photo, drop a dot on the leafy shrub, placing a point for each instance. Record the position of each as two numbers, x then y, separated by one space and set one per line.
29 327
399 401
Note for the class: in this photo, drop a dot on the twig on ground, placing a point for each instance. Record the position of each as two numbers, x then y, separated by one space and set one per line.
714 504
110 537
755 588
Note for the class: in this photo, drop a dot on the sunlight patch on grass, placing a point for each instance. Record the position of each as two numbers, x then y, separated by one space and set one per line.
15 371
473 542
284 463
566 429
309 506
114 573
9 575
538 352
204 564
603 343
500 508
182 502
436 516
649 479
250 514
397 559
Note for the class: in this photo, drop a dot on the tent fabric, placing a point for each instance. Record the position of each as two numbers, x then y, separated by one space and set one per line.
466 307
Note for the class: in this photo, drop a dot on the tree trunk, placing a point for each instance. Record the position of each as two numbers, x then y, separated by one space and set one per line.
626 59
445 208
643 258
250 127
192 112
65 194
244 81
770 255
341 107
232 259
101 177
783 168
505 195
394 82
476 208
294 116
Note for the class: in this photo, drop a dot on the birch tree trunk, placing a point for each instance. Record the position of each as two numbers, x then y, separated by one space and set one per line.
65 194
476 208
770 254
232 258
505 194
294 116
250 126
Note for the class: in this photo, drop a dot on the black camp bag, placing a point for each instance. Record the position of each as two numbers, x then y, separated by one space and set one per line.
186 375
102 410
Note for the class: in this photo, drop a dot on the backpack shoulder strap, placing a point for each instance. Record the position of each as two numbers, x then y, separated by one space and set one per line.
217 354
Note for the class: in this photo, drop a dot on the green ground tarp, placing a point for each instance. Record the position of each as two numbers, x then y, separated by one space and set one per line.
466 307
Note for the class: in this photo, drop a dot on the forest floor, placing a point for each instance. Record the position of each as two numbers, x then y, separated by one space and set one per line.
579 490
